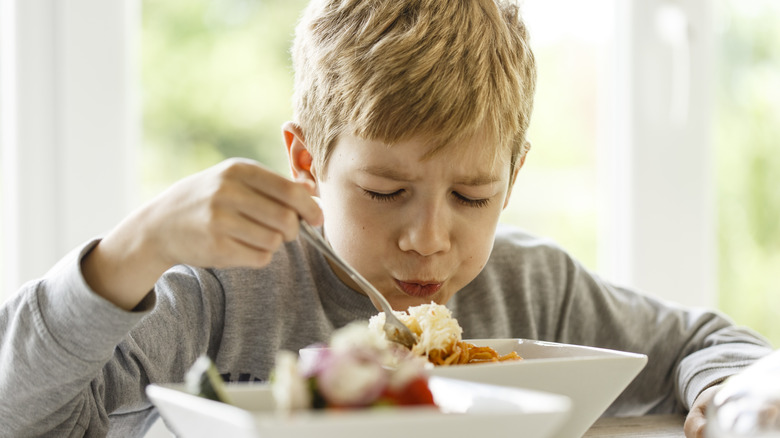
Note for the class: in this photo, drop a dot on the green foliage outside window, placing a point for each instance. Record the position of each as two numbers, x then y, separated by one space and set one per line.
216 83
747 138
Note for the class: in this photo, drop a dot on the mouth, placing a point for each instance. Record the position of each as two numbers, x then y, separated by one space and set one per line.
418 288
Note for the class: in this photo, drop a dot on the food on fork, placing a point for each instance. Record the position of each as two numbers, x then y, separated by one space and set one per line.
439 337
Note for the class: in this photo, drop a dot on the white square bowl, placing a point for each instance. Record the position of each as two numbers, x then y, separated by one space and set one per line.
592 378
464 409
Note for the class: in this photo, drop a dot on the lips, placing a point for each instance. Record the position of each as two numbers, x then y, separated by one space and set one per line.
419 288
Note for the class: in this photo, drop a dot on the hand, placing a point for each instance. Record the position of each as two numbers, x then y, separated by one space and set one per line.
237 213
696 420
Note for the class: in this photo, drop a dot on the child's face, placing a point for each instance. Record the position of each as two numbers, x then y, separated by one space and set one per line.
417 229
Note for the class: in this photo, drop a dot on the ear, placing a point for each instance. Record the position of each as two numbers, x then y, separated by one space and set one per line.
297 154
515 171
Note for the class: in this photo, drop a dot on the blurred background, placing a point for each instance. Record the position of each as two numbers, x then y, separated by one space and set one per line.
204 80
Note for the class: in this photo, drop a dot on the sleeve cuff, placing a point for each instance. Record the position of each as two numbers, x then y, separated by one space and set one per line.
740 356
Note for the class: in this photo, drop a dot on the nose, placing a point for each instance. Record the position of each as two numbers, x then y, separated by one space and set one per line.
426 231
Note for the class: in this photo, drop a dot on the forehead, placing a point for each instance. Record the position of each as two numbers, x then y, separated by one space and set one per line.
475 157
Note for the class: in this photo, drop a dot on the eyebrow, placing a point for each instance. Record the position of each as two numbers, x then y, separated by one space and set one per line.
478 180
397 175
387 172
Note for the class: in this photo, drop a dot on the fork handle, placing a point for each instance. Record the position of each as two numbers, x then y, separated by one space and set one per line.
318 241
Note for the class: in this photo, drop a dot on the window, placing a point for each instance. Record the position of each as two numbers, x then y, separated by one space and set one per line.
746 133
66 90
556 194
217 83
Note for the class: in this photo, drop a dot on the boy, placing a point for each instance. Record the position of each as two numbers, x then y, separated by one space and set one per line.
410 122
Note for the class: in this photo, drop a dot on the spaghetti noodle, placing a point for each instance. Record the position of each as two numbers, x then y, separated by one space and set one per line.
439 337
464 353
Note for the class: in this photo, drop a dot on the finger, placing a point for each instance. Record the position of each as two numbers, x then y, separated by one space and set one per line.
251 234
308 185
295 195
298 196
263 212
694 425
696 421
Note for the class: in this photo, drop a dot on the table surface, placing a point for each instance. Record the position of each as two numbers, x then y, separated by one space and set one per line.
651 426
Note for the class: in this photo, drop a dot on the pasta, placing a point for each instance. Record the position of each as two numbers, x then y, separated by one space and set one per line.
465 353
439 337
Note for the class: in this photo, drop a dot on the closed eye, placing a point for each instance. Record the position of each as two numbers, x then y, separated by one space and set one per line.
477 203
383 197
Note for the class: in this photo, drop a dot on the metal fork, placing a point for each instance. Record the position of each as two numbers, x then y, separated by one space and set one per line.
395 330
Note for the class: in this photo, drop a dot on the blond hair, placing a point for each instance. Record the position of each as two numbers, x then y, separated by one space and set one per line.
390 70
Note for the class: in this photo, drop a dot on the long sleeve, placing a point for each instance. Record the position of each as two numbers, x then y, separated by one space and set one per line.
55 337
533 289
73 364
688 349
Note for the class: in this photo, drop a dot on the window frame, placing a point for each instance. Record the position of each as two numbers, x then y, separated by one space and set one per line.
68 121
658 231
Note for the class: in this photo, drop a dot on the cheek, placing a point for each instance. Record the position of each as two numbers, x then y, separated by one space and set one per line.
479 254
476 242
333 209
351 228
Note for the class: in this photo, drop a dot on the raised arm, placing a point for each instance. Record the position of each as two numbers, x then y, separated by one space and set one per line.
67 357
234 214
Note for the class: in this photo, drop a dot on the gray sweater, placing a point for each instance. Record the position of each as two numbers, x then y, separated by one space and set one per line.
72 364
